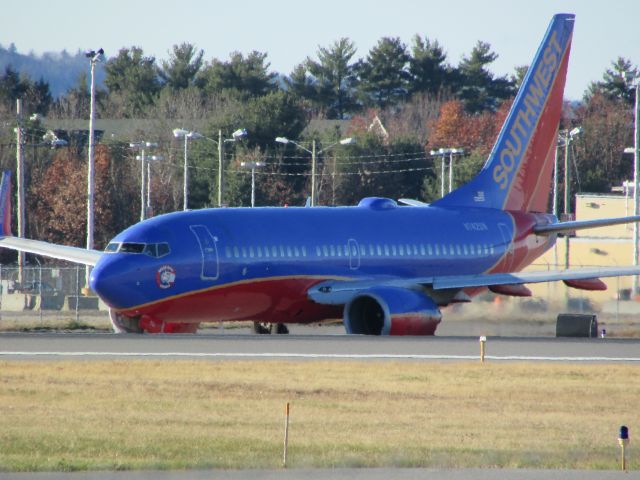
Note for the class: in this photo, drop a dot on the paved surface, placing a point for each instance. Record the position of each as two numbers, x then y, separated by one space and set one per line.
300 347
338 474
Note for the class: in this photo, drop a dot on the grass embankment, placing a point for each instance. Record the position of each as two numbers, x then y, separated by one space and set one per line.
196 414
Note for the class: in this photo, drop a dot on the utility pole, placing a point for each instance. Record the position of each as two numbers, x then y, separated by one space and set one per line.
220 169
20 185
313 173
636 181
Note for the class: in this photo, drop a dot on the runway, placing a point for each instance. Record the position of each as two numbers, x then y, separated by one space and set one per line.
313 347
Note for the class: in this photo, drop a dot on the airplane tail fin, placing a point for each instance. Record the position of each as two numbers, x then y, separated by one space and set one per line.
517 174
5 204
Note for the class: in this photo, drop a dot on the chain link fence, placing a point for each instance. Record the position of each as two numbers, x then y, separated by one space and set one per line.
37 291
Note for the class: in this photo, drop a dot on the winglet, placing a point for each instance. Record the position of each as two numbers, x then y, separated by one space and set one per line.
5 204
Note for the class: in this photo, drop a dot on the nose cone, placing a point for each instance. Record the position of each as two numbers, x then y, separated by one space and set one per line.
107 280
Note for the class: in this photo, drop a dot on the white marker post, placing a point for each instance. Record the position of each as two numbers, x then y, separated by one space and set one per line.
483 341
286 435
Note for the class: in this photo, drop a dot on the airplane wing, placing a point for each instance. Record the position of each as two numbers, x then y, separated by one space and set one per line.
61 252
565 227
337 292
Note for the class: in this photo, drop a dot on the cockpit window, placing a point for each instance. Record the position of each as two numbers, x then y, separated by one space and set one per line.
112 247
155 250
163 249
132 247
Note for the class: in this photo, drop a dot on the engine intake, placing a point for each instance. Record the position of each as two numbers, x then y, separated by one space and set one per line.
391 311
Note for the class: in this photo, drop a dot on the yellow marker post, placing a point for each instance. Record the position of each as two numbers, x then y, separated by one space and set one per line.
286 435
483 341
623 441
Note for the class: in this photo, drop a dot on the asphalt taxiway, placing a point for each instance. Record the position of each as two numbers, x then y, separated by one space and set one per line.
314 347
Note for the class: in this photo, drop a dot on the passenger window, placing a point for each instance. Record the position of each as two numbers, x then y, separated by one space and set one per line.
289 254
236 252
386 250
401 250
339 250
415 249
371 250
458 250
259 251
437 249
304 251
332 250
244 252
281 251
251 252
379 249
296 251
274 251
325 250
266 251
318 251
465 249
227 252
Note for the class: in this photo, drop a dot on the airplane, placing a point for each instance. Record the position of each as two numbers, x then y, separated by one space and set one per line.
385 268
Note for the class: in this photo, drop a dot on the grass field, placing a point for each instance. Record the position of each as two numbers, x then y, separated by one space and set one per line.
196 414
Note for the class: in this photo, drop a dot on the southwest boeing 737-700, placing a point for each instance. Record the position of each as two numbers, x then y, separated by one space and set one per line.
385 269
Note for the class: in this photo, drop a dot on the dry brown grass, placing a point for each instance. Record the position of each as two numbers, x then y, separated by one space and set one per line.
199 414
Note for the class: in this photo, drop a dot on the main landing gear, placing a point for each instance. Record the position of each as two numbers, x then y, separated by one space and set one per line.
264 328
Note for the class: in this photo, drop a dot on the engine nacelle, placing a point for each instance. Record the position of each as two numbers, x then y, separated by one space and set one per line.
391 311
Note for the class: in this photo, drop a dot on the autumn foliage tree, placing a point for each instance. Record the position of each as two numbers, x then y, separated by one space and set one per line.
475 133
57 206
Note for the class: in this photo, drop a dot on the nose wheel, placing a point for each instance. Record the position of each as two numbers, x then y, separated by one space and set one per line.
265 328
123 324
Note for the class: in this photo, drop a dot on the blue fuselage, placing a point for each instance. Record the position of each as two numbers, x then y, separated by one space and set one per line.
214 248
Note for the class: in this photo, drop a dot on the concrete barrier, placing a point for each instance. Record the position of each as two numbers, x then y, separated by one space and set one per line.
83 303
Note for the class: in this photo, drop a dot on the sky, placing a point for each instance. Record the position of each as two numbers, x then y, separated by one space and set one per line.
289 31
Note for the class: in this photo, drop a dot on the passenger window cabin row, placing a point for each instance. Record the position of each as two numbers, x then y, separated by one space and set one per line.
369 250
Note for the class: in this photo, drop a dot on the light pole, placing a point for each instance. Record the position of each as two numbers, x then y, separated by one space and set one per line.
443 153
186 134
94 57
634 81
142 146
566 137
314 155
235 137
253 166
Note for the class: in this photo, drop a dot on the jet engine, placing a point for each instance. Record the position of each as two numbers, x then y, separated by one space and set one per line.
391 311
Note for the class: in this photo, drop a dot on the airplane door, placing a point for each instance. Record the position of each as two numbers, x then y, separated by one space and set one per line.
209 251
508 240
354 254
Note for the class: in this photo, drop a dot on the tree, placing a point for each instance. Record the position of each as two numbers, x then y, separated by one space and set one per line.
615 82
247 77
183 66
607 130
36 96
429 72
480 89
384 77
59 198
335 79
134 78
